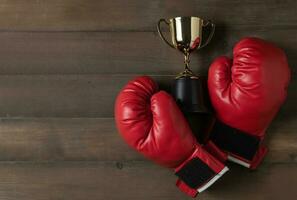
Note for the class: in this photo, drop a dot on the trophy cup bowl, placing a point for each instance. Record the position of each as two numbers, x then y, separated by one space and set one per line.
186 35
186 32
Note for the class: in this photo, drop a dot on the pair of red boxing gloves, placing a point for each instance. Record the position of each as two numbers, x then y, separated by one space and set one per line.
246 93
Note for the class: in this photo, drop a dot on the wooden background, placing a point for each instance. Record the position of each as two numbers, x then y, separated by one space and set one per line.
62 62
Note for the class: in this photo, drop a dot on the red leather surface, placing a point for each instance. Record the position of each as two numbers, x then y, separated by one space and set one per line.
211 148
247 92
150 121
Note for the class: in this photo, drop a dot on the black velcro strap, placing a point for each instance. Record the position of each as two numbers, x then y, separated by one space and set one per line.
195 173
234 141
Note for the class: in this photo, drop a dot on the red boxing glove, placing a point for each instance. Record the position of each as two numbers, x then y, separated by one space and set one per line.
246 94
151 122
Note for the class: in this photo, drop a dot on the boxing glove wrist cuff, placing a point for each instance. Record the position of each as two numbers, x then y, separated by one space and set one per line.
235 142
195 173
199 172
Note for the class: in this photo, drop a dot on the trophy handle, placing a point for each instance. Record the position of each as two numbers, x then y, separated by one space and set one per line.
213 27
161 34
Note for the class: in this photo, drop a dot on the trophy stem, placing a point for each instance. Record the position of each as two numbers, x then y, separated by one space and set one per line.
187 71
187 60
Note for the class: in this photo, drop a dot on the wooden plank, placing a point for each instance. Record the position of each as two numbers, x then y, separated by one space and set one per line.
268 182
75 95
73 15
135 180
120 52
96 139
60 95
53 139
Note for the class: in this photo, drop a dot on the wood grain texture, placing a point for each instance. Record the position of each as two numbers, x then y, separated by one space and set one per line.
62 63
131 15
54 139
61 95
96 139
76 95
136 180
120 52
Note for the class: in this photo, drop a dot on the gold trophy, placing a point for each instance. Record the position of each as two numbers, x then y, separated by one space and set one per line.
186 36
